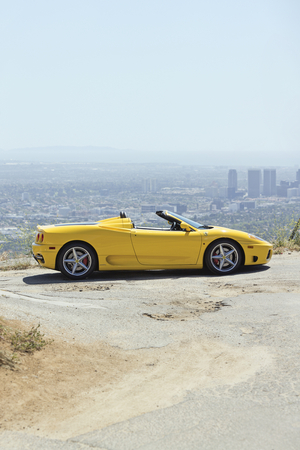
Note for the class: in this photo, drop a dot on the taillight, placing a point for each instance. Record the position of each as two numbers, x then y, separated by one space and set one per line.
39 237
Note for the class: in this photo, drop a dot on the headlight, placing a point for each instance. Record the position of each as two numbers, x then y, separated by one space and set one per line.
252 236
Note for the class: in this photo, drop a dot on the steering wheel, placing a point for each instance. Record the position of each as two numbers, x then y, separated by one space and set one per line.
174 226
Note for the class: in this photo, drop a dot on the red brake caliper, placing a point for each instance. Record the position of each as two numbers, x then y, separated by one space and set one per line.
216 261
85 261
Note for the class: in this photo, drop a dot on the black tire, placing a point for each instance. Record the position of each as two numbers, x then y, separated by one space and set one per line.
223 257
77 260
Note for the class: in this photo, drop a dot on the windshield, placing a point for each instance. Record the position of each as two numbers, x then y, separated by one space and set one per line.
170 216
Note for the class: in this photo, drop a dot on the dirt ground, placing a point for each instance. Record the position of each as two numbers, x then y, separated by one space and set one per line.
69 388
57 391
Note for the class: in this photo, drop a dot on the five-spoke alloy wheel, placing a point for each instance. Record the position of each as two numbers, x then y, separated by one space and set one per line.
77 260
223 257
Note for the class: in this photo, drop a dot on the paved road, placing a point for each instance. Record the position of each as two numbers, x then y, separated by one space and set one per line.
253 401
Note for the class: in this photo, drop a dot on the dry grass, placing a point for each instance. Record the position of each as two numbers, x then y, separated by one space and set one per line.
15 262
287 237
14 341
4 256
16 265
284 245
279 250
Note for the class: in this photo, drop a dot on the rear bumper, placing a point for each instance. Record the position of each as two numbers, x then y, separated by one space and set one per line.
44 256
39 258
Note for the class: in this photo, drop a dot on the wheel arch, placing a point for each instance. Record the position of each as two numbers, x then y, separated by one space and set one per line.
226 239
75 242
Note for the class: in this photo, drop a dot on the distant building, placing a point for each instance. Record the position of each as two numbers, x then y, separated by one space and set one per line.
248 205
232 179
216 204
241 193
241 206
232 183
254 179
223 192
149 185
166 207
25 197
153 187
292 192
234 207
231 193
284 183
298 175
282 188
212 191
148 208
178 207
269 186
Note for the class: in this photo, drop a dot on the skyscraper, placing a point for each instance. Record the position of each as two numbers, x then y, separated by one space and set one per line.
232 183
298 175
232 179
149 185
269 187
153 185
254 178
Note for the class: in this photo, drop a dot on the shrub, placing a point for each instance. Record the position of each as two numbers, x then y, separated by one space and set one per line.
287 236
28 341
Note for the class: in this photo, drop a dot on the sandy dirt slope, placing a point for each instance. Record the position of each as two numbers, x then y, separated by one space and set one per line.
65 390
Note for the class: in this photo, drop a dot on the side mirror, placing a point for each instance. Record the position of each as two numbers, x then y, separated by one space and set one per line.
185 227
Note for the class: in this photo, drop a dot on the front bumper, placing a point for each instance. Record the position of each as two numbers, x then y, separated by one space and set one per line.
257 253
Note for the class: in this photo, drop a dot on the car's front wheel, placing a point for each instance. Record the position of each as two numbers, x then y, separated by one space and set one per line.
223 257
77 260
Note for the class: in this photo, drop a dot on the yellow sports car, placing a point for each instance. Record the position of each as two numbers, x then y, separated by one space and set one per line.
78 249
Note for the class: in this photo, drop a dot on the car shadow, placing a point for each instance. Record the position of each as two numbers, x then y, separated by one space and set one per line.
253 269
57 277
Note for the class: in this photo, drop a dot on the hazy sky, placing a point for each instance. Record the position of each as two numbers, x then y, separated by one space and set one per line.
213 77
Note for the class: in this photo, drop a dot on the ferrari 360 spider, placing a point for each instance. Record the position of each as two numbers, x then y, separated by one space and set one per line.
78 249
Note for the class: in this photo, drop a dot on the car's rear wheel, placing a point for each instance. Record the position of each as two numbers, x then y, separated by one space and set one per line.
223 257
77 260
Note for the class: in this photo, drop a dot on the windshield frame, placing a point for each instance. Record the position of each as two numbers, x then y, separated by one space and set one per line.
174 217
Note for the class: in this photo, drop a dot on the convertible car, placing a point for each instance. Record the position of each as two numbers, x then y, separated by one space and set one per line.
78 249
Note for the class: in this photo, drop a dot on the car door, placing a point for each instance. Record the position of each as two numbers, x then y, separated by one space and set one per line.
166 248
